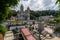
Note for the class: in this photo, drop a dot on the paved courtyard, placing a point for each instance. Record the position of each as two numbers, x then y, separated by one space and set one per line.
56 38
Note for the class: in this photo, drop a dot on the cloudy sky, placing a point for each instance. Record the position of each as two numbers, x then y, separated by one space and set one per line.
38 4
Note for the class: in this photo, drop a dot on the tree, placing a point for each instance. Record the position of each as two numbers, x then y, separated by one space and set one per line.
3 30
11 13
5 8
32 17
57 29
37 14
58 1
57 19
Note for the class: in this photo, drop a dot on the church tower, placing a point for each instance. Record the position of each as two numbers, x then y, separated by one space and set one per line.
21 8
28 18
28 13
21 12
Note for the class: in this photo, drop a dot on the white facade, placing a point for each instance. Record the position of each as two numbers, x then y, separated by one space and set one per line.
9 35
46 18
23 15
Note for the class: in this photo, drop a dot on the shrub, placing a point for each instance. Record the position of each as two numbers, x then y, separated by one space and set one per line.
3 30
57 29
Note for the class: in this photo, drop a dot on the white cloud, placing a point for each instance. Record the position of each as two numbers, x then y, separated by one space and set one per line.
39 4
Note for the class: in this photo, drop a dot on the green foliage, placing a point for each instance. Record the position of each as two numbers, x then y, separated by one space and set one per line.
32 17
58 1
51 22
57 29
11 13
34 14
57 19
5 7
3 30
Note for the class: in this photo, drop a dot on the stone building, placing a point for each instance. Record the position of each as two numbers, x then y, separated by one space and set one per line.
23 15
46 18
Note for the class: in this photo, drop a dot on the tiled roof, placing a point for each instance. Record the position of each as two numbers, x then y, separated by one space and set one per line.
28 34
